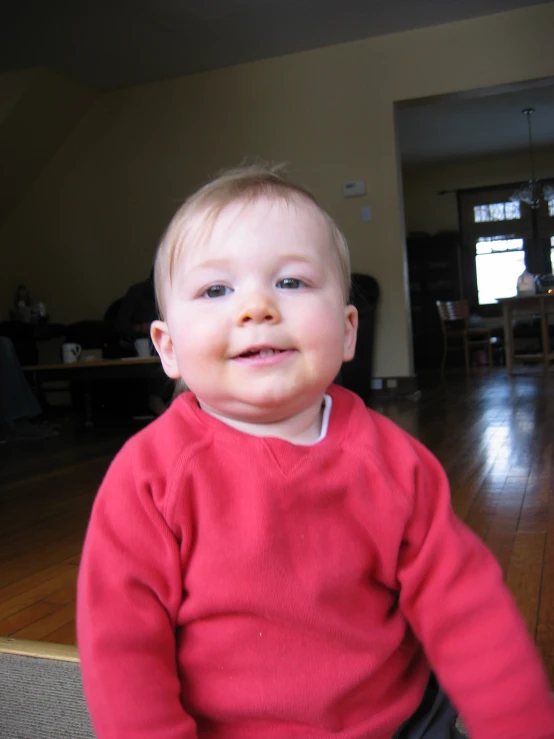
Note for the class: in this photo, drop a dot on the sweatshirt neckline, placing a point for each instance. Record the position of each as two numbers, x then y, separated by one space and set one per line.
187 405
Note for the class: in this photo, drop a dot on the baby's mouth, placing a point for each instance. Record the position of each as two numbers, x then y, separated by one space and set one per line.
266 352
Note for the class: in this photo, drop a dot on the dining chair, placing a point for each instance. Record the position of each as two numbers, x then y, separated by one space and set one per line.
457 334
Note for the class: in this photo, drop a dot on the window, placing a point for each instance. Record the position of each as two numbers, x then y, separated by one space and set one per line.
500 239
498 263
496 212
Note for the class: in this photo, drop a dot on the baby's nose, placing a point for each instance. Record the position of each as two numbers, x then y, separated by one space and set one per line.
258 308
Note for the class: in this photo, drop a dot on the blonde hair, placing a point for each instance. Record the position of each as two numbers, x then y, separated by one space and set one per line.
200 211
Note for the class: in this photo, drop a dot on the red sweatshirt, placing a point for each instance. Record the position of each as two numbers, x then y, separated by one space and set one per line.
237 587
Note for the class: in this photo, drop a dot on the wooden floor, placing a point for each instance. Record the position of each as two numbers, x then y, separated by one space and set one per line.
493 435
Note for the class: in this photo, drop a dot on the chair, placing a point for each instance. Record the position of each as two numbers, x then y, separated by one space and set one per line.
454 318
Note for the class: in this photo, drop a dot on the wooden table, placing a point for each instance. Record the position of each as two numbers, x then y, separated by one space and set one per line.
88 370
541 305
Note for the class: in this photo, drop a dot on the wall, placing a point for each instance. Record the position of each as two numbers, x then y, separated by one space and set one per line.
89 226
426 210
12 87
38 110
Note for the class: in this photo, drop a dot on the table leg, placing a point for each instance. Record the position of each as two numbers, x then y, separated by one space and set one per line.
81 396
87 389
38 389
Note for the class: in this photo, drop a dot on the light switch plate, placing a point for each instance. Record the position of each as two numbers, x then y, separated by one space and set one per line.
353 188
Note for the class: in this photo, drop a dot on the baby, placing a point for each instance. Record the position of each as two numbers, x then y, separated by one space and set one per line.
271 559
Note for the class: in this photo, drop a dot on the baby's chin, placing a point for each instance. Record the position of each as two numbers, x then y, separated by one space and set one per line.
247 412
268 409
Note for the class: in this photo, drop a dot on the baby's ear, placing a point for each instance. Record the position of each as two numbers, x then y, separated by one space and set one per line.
159 332
350 332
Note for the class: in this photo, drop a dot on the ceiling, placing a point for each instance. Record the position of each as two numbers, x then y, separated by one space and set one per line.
110 44
113 44
477 123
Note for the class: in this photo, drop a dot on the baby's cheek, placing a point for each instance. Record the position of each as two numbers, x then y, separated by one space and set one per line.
207 344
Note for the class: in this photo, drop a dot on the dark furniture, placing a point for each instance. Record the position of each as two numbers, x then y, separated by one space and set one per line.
90 334
25 336
459 336
357 374
541 305
91 380
434 274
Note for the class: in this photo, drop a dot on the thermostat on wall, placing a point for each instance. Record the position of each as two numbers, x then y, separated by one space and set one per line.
353 187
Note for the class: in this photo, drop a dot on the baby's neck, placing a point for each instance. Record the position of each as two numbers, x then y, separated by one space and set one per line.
304 428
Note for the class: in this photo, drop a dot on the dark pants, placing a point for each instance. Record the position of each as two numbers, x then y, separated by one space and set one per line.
435 717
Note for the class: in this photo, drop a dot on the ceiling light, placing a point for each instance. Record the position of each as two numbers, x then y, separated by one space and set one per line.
533 191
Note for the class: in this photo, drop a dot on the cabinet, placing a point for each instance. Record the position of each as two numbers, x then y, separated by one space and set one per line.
434 274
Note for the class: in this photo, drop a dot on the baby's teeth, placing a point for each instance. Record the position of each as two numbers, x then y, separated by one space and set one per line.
266 352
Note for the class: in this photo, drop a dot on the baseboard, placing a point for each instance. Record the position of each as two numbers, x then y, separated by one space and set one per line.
42 649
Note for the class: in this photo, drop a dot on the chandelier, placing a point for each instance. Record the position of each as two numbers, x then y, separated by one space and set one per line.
534 190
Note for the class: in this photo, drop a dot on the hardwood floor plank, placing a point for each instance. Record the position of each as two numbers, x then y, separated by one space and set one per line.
481 513
545 621
63 635
467 487
63 596
38 592
501 534
20 619
74 559
534 512
48 556
83 467
39 576
524 575
45 626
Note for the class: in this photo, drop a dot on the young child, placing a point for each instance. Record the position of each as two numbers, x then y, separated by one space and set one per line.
271 559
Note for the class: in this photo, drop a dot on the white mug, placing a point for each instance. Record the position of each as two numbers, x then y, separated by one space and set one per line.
143 347
71 352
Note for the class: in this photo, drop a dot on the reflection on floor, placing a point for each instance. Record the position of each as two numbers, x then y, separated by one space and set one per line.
493 435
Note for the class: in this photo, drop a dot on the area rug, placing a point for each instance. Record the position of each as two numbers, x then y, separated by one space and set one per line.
41 699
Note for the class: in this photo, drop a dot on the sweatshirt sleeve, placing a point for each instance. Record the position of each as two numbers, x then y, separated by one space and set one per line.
453 595
130 588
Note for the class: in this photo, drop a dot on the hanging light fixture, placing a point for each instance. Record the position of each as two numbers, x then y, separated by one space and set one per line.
533 191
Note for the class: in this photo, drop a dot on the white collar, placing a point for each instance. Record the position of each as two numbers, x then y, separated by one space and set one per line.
327 403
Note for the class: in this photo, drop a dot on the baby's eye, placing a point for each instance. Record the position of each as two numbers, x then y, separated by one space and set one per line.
290 283
216 291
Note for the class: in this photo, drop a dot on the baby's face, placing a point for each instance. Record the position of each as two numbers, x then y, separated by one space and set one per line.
255 318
